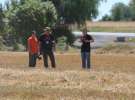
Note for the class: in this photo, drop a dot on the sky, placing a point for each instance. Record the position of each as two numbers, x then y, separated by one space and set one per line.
104 8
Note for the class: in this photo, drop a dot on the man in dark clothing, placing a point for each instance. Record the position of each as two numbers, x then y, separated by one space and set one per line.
47 43
85 49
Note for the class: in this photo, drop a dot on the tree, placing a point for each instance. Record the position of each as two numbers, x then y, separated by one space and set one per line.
63 30
132 8
120 12
31 15
1 19
73 11
27 15
76 11
106 18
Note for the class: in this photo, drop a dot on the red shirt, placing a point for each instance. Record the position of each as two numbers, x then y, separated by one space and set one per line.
33 45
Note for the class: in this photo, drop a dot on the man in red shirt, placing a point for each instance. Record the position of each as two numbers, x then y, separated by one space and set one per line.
33 49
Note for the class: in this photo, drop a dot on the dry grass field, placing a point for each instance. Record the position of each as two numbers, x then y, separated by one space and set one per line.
111 26
112 77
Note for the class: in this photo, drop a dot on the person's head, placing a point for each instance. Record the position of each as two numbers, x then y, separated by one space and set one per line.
84 31
47 31
33 33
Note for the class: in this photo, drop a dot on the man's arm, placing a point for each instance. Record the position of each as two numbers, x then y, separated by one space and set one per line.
39 47
81 39
39 44
90 40
28 48
54 43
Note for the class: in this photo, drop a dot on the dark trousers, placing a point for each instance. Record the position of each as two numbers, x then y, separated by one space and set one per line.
85 59
32 60
52 58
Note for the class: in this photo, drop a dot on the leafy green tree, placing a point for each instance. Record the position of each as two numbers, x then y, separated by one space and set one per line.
132 8
63 30
73 11
31 15
106 18
62 43
1 19
27 15
120 12
76 11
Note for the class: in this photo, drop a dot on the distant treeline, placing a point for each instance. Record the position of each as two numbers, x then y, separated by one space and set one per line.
121 12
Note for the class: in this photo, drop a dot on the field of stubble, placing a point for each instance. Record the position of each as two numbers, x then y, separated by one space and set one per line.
112 77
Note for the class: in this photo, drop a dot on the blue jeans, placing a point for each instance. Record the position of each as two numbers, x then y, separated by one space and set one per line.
85 59
32 60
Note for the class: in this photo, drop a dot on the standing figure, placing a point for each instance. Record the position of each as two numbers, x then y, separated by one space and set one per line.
47 43
33 49
86 49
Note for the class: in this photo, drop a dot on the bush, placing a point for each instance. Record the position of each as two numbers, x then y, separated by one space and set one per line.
62 43
18 47
63 30
15 47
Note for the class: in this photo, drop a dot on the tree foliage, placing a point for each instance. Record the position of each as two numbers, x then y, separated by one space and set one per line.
73 11
26 15
106 18
2 25
132 8
120 12
76 11
31 15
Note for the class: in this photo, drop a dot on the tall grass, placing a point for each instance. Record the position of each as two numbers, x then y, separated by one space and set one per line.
111 78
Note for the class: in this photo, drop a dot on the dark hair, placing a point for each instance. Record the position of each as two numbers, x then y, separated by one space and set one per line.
84 30
34 32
